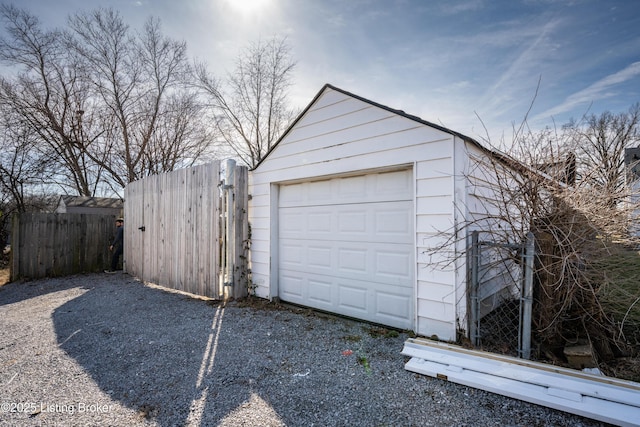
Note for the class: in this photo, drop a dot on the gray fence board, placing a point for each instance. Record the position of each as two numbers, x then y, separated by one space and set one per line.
241 235
179 212
59 244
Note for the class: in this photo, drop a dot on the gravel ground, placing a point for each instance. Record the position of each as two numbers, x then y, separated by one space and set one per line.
107 350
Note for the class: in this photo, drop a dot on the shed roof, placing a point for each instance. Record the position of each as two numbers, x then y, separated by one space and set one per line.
91 202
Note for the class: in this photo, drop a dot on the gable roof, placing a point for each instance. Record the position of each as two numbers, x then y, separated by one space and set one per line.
91 202
375 104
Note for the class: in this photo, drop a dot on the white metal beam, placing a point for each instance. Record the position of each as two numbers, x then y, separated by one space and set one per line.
605 399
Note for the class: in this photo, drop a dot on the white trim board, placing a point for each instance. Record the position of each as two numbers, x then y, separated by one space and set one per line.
601 398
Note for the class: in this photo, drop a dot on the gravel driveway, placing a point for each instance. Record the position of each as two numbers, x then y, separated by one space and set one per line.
107 350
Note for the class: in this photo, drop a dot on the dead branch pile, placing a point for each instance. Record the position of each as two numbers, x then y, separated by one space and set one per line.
567 299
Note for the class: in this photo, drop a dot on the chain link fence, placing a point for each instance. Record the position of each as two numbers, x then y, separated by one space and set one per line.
500 295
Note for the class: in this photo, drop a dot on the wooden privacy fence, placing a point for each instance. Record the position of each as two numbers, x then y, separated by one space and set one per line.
187 230
53 245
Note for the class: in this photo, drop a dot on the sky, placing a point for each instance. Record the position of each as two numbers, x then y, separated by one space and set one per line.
478 67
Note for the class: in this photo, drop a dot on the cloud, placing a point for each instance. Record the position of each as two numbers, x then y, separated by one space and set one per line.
454 8
598 90
517 82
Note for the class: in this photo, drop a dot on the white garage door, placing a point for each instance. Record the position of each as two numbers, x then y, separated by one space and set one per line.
346 245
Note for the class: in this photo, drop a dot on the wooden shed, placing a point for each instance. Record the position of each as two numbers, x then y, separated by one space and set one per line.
346 209
90 205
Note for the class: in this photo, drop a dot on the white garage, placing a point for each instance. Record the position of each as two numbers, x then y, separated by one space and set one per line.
346 208
346 246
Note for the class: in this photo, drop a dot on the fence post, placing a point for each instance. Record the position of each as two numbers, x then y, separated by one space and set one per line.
474 324
230 166
15 247
527 298
240 272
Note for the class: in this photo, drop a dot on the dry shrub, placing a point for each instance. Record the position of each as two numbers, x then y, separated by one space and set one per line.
618 276
578 295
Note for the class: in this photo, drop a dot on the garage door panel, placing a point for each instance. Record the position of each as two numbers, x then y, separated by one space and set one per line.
390 186
320 257
375 302
291 287
394 183
369 222
298 194
348 188
293 223
318 221
394 264
292 256
323 191
394 222
352 299
379 263
320 292
291 195
354 221
352 260
347 246
393 308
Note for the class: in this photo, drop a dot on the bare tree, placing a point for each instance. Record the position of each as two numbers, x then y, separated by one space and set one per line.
253 112
600 144
47 94
27 174
180 138
23 168
113 105
152 121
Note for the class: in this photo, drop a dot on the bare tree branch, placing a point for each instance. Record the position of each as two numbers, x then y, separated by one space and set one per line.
252 115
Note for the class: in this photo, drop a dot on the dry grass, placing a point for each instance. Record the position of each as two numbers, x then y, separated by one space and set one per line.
617 280
619 292
4 276
5 271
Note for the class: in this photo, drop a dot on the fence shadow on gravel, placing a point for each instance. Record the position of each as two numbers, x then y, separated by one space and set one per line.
184 361
142 346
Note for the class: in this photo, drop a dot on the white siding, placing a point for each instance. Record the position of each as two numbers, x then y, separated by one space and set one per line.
484 209
340 135
434 216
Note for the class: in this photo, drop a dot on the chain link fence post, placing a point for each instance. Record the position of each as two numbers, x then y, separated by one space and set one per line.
527 298
474 323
